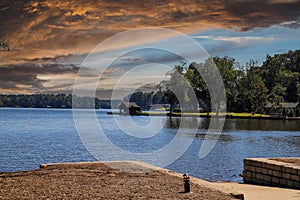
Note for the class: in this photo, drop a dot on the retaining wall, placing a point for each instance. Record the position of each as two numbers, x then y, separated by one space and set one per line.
264 171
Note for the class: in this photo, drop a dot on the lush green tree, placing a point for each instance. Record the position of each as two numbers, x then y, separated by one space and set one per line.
255 92
291 113
282 71
277 96
297 112
298 91
178 88
231 73
198 84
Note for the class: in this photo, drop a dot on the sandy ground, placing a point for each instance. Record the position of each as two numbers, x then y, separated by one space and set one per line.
124 180
99 181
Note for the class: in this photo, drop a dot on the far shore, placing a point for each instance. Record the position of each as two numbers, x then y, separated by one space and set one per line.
229 115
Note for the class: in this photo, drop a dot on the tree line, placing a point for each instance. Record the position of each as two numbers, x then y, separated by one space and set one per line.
248 88
49 101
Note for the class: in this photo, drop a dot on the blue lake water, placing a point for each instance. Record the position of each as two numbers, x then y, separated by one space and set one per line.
30 137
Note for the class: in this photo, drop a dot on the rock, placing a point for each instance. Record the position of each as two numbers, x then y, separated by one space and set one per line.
238 196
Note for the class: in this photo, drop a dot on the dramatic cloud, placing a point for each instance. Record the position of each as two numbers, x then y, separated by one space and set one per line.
49 39
55 27
261 13
32 77
291 24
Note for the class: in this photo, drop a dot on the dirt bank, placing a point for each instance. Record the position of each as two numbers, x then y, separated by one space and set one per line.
98 181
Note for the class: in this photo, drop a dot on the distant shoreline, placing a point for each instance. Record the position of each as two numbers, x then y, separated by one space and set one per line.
210 115
196 114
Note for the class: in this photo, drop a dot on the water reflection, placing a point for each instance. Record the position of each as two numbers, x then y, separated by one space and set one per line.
261 125
237 124
221 138
197 128
183 122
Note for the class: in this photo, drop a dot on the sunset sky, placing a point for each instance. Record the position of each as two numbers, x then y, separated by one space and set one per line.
50 39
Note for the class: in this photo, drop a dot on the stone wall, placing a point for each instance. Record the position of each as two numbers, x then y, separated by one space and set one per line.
264 171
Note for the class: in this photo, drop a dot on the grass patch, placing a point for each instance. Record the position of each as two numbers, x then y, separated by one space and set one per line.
247 115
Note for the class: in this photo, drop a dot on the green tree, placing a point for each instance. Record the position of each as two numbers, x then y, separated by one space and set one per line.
282 71
291 113
277 96
297 112
177 88
198 83
255 92
231 73
298 91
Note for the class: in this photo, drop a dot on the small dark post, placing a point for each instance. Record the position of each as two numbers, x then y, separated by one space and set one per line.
186 180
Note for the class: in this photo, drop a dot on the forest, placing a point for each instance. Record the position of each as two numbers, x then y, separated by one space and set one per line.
47 101
250 88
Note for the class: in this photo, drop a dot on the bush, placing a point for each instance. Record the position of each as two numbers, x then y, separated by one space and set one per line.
284 112
297 112
291 113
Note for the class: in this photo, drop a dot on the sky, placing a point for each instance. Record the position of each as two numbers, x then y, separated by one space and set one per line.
51 40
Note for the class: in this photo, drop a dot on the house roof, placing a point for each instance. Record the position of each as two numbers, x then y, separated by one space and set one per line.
285 104
130 104
290 104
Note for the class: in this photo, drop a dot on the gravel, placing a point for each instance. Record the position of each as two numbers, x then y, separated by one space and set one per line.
98 181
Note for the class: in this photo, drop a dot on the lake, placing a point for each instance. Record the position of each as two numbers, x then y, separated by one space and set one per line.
30 137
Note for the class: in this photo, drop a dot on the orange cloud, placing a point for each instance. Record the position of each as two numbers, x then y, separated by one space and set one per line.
76 26
37 29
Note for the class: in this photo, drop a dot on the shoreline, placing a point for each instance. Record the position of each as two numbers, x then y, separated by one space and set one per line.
204 115
125 179
102 180
196 114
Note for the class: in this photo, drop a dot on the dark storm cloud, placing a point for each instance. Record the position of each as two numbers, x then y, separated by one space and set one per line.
262 13
292 24
72 24
25 75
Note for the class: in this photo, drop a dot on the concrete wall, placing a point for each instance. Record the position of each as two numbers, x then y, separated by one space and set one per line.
264 171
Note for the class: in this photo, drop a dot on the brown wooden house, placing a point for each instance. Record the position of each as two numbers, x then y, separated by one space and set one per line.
130 108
